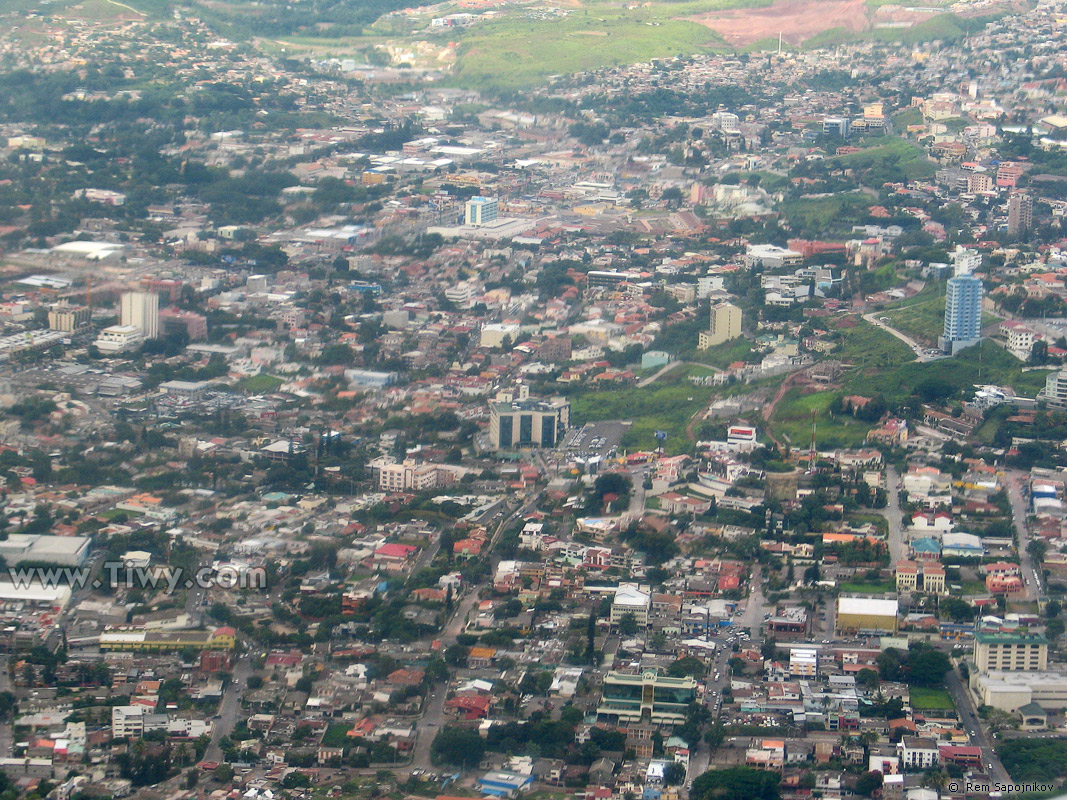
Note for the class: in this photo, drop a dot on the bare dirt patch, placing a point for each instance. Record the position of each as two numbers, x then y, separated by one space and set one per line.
795 20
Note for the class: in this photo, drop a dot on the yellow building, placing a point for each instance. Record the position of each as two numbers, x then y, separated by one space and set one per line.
725 325
856 614
224 638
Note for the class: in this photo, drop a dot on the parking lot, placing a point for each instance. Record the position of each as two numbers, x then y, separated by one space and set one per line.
595 439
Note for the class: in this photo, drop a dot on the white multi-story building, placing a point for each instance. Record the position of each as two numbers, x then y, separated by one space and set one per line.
141 310
804 662
918 753
119 339
127 721
481 210
407 475
630 599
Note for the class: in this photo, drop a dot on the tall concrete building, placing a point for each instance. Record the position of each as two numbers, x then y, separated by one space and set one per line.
1055 392
481 210
725 325
141 310
68 319
528 423
1020 213
650 697
963 309
1010 652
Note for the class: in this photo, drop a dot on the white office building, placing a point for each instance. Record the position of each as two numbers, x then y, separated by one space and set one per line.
481 211
141 310
119 339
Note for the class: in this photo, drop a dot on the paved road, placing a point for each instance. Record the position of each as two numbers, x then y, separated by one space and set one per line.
1016 480
918 349
668 367
961 696
894 516
752 618
231 705
435 705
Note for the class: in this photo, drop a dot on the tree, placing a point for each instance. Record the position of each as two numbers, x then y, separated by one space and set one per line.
926 666
736 783
674 774
615 483
889 664
868 678
456 655
460 747
223 773
869 783
687 666
628 624
957 610
811 575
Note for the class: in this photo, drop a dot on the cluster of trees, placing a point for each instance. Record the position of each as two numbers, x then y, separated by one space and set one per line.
1035 760
736 783
921 665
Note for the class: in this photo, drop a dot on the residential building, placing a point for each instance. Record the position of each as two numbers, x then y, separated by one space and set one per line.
407 475
1055 392
725 325
928 577
1020 213
963 313
128 721
803 662
68 319
630 599
918 753
193 325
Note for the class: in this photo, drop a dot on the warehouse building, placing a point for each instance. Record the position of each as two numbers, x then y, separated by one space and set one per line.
866 615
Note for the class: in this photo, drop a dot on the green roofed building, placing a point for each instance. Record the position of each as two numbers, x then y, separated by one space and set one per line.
1010 652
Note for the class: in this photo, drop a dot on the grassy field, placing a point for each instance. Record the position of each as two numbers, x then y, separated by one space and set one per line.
936 699
792 422
827 214
666 405
869 347
516 51
894 157
336 735
923 317
259 384
984 363
879 522
723 355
